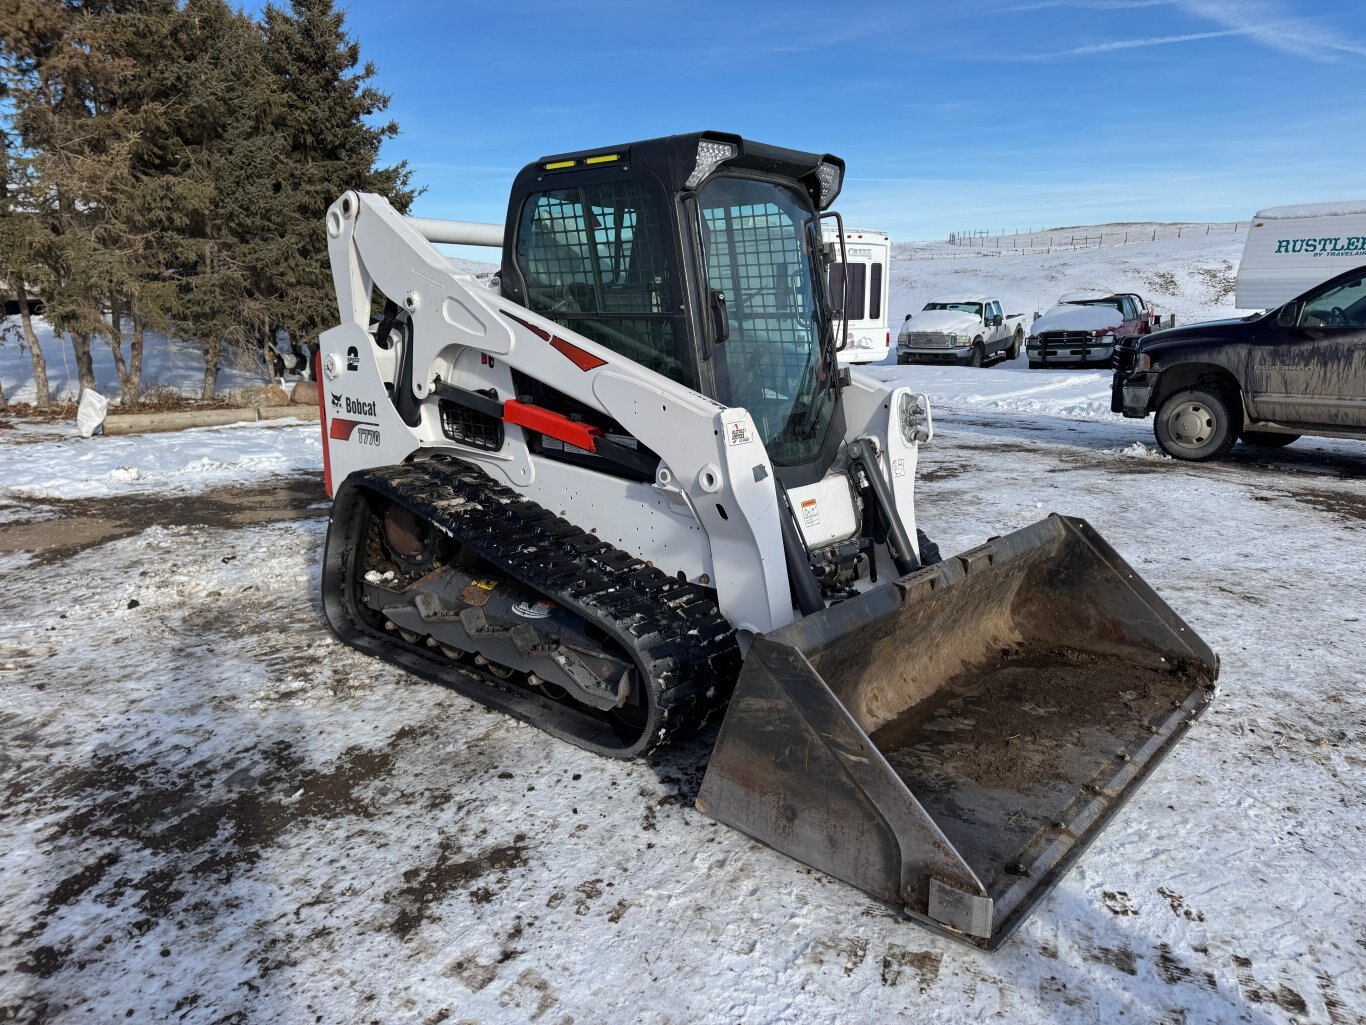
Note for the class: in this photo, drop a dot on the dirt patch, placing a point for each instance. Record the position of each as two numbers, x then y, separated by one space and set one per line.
1173 971
1179 906
1345 506
424 888
925 964
1117 902
1282 996
72 526
943 473
196 826
1121 958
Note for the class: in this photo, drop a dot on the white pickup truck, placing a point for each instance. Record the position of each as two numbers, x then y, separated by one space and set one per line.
960 329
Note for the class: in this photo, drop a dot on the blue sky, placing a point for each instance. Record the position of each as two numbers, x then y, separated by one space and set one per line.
956 115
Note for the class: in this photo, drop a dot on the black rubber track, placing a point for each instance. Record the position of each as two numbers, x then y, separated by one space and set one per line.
684 649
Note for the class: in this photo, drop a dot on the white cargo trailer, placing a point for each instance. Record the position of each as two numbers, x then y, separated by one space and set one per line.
1290 249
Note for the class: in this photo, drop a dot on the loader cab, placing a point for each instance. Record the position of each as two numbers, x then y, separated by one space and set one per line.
699 257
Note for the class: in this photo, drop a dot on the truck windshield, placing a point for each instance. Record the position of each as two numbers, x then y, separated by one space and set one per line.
974 308
760 241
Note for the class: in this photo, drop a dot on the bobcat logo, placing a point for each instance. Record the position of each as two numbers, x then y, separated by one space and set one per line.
336 402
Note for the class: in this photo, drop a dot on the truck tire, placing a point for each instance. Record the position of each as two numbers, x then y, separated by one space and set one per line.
1266 439
1014 351
1195 425
978 354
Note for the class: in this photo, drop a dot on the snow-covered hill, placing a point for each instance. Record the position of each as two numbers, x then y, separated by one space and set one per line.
1192 276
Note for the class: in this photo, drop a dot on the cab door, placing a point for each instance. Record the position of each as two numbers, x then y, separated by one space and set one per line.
1312 370
996 335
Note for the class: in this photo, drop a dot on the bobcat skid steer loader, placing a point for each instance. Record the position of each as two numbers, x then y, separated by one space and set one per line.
624 485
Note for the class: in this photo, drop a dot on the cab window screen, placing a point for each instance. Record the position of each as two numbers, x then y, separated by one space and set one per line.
875 293
596 259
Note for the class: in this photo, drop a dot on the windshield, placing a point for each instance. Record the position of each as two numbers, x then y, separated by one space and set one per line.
760 241
974 308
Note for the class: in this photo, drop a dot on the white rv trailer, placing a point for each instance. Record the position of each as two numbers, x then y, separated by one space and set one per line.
1290 249
867 336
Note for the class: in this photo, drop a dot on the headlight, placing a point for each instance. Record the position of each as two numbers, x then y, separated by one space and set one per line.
830 177
710 153
914 414
953 339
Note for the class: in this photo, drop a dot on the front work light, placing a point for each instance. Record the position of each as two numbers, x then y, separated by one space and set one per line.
710 152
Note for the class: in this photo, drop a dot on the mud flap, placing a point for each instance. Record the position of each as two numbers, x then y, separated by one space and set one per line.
950 743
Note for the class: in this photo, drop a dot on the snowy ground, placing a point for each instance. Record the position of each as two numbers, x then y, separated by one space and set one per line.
215 813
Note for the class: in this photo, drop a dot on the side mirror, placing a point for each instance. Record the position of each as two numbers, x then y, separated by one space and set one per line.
1290 314
997 320
1037 314
908 317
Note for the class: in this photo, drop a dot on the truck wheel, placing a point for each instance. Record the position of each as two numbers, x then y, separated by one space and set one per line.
1014 351
977 355
1266 439
1196 425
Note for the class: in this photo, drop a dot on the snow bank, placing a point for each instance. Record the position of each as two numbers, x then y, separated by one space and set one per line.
185 461
1076 394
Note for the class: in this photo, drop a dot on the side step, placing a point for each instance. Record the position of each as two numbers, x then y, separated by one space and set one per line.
952 742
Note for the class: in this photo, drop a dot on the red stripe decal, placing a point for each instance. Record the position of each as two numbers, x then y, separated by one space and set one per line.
322 420
585 361
548 422
343 429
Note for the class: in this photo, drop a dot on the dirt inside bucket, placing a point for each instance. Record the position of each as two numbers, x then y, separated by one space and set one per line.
1012 746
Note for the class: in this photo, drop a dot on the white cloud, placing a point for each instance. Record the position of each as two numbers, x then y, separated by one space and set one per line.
1128 44
1268 23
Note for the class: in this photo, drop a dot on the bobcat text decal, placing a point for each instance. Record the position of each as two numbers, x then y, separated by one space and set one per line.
364 432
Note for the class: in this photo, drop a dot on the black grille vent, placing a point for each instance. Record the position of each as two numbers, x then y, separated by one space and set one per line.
1066 338
469 427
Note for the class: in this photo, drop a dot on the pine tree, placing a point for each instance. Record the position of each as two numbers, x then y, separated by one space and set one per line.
19 244
225 183
58 78
333 144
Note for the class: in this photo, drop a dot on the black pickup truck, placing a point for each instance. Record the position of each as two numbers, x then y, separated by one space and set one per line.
1267 379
